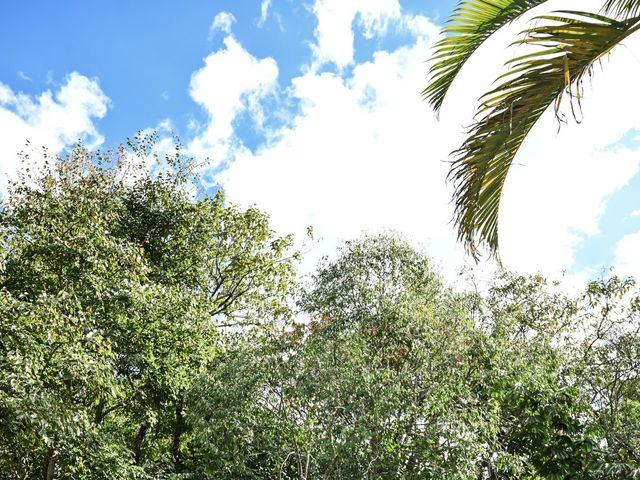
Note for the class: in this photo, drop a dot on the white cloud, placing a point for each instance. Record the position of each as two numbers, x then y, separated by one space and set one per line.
334 32
24 76
231 81
635 213
555 198
264 12
53 120
222 22
627 255
557 189
365 153
6 95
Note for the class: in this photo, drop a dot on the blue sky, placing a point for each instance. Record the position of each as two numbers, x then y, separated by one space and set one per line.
144 52
311 110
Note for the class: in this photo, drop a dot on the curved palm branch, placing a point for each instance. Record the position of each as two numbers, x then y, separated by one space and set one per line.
622 8
469 26
569 46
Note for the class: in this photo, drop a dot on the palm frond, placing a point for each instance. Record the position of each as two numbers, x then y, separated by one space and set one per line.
622 8
569 45
470 25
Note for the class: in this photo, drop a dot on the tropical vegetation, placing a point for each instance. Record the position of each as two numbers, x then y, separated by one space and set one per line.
563 48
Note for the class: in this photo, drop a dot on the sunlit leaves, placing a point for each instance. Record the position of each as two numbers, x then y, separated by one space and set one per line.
470 25
565 48
114 284
622 8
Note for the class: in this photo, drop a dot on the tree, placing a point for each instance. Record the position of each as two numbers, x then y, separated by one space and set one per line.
396 376
149 333
607 361
114 284
359 391
566 44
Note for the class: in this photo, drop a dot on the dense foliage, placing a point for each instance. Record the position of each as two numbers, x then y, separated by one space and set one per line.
149 332
113 284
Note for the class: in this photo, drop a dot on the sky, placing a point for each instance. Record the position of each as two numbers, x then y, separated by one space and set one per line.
311 110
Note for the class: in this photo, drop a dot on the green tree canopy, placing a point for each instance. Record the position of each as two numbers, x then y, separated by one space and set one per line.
114 283
393 375
150 332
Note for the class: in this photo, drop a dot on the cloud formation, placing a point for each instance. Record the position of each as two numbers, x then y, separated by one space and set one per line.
363 152
52 119
222 22
264 12
334 31
231 81
627 255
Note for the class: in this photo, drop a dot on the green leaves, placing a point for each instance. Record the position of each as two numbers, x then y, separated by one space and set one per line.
146 334
470 25
392 378
567 46
113 283
622 8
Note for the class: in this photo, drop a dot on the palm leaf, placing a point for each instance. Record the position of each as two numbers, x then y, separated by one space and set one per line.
622 8
569 46
471 24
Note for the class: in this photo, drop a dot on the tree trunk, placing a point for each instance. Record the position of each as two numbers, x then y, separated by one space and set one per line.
99 413
178 430
137 444
49 465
